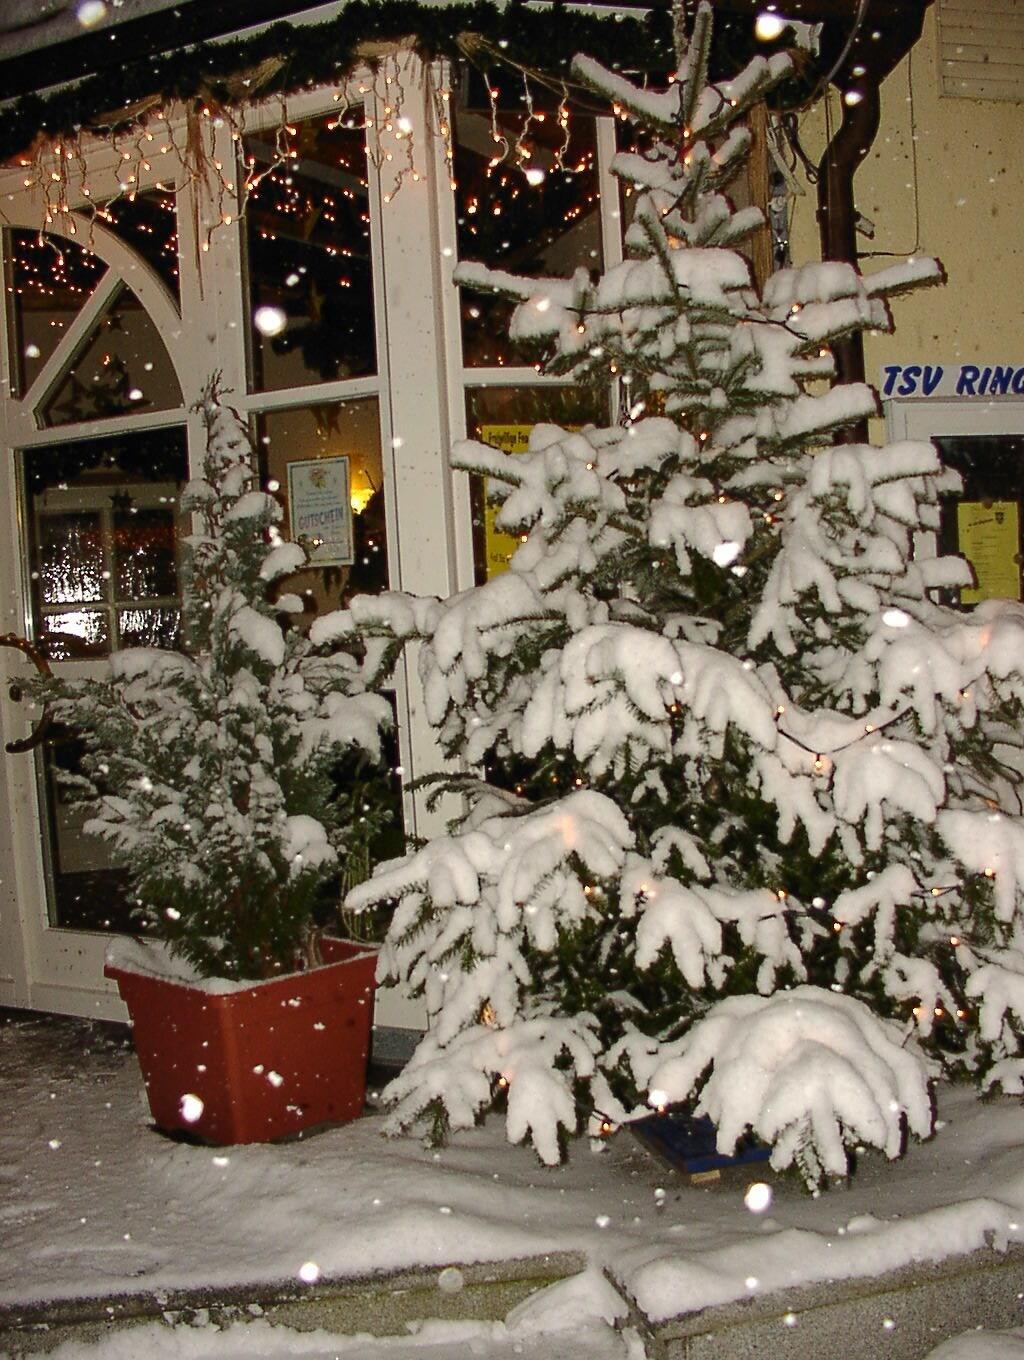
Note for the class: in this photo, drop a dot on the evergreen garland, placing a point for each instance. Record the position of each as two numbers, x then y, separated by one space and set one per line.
317 54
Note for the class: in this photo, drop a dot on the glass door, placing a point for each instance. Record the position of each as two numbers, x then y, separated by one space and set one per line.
326 303
104 534
115 314
95 453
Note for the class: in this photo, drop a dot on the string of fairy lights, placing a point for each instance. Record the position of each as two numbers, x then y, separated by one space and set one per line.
530 149
527 149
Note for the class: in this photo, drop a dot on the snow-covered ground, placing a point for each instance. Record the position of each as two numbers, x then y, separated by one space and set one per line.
92 1201
567 1324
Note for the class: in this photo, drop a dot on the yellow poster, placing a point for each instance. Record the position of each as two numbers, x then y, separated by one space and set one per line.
989 537
499 546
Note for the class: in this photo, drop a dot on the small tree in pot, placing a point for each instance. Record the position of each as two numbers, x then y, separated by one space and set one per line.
239 774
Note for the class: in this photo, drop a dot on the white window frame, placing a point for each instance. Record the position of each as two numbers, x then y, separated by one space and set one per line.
420 386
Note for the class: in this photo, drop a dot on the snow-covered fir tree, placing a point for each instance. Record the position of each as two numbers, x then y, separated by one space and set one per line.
750 833
238 775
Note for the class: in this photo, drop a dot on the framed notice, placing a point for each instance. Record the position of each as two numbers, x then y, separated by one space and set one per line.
988 534
320 510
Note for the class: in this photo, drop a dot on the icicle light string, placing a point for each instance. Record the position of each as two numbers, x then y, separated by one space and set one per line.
48 170
192 143
283 60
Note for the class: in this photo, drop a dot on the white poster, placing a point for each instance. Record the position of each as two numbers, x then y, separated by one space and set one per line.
320 510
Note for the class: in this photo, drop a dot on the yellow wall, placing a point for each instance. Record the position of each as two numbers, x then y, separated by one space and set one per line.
970 191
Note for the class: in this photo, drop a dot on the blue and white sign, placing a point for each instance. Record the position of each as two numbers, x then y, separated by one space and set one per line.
951 381
320 510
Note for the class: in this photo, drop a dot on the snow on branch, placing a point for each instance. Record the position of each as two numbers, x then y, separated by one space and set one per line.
809 1071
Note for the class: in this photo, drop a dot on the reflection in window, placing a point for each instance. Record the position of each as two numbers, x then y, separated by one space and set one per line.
51 279
74 634
103 526
85 891
124 368
504 417
148 627
148 222
309 255
71 560
104 529
144 553
527 201
297 445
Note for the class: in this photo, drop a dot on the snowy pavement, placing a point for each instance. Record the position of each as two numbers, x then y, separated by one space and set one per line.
93 1202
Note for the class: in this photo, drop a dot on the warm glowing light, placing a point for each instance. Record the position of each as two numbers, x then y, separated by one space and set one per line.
360 498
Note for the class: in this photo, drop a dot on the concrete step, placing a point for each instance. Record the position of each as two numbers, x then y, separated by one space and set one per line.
899 1315
378 1304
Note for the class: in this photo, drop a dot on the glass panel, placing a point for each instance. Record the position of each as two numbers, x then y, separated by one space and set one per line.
86 892
310 281
74 635
148 627
50 279
629 136
101 517
527 201
504 417
103 526
148 222
123 368
71 561
325 465
144 561
984 522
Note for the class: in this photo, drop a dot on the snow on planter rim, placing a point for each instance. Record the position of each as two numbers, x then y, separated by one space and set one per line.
154 959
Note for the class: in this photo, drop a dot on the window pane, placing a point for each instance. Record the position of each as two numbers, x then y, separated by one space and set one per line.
123 368
149 627
311 457
144 560
71 562
86 892
148 222
103 526
504 417
984 522
309 256
527 201
108 507
51 279
75 634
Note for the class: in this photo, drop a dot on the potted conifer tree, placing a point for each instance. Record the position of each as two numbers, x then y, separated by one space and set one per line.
234 778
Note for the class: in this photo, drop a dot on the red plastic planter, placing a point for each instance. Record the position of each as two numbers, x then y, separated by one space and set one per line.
258 1064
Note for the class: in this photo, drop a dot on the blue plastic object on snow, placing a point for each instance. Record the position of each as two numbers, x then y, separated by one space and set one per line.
687 1143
